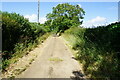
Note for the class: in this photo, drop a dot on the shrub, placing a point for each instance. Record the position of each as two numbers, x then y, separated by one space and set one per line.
98 49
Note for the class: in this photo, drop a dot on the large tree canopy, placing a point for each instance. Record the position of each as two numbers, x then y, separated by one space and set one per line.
64 16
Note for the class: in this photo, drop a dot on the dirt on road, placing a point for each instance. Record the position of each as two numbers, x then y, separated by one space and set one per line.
55 61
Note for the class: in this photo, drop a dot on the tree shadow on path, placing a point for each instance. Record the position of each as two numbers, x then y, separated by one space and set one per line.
78 75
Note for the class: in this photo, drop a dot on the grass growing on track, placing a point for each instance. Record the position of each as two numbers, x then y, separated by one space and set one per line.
56 59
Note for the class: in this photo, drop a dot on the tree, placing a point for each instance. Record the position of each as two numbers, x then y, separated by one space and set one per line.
65 16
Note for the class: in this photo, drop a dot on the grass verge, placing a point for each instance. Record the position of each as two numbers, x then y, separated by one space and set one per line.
99 61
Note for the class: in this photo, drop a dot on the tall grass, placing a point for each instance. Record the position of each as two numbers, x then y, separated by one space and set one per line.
98 50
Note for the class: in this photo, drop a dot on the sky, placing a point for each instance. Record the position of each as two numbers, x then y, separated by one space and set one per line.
97 13
60 0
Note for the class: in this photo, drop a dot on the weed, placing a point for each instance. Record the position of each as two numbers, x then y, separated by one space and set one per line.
56 59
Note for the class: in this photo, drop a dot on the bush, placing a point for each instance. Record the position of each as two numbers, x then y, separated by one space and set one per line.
98 49
18 32
19 36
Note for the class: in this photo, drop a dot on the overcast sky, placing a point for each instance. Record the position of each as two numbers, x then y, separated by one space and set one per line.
97 13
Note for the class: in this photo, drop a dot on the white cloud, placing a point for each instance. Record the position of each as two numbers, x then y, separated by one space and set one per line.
98 19
80 5
31 18
95 22
42 20
113 8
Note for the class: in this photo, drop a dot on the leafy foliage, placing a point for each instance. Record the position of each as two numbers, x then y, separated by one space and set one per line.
64 16
98 49
19 36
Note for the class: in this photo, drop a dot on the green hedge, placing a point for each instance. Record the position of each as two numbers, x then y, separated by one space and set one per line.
18 36
98 49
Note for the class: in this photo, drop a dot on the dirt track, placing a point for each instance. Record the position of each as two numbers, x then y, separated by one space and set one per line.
54 61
